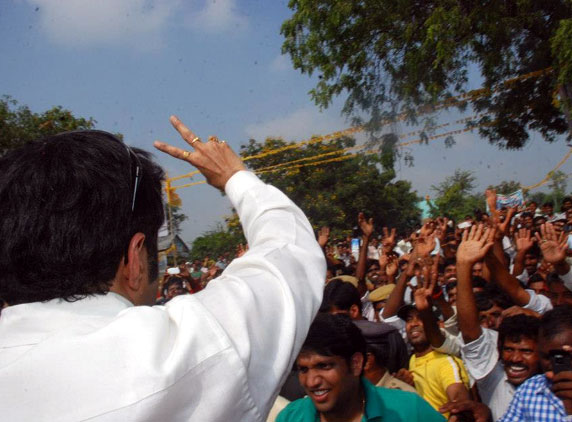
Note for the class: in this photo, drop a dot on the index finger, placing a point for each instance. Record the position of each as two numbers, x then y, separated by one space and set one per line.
185 132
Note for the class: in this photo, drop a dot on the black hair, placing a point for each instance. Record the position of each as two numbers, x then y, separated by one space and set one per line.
479 282
173 280
334 335
498 296
555 321
389 351
535 278
534 251
515 327
483 302
549 204
66 205
450 285
340 294
449 261
526 214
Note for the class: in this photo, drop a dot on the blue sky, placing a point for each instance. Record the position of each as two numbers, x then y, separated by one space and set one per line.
130 64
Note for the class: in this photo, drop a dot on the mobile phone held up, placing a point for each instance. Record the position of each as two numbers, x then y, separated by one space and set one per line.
560 360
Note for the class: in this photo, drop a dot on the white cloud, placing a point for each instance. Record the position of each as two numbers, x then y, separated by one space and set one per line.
137 23
301 124
218 16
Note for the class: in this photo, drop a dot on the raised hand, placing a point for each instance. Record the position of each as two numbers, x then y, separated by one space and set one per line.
553 247
366 226
424 293
323 236
503 226
441 227
424 246
475 244
214 159
427 229
392 265
388 241
523 240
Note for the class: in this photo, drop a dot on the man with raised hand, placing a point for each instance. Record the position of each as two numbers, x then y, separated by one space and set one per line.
498 361
77 340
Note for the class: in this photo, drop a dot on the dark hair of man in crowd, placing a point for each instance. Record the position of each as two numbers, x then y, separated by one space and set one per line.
340 294
514 328
479 282
334 335
483 301
555 321
497 296
446 263
389 351
67 219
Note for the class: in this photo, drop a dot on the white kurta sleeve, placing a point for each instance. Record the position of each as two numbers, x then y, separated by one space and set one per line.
266 300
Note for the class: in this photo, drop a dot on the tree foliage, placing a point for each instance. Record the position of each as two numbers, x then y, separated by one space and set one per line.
217 242
333 194
19 125
505 187
397 56
455 198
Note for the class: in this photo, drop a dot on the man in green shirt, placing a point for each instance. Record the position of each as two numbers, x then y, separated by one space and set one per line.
330 366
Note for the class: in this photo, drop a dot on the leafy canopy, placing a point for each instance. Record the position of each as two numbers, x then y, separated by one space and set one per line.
395 56
19 125
332 194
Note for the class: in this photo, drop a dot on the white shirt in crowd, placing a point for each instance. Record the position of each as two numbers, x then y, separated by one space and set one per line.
219 355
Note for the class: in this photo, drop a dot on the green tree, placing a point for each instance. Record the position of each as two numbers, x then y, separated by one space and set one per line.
334 193
455 198
399 56
217 242
505 187
557 185
19 125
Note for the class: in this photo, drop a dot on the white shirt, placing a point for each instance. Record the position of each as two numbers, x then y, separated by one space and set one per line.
481 358
216 356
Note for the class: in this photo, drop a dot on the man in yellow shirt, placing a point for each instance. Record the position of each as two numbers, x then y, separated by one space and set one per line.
439 378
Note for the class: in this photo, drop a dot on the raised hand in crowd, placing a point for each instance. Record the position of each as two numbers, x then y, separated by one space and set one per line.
388 240
552 245
367 228
475 245
365 225
523 242
323 236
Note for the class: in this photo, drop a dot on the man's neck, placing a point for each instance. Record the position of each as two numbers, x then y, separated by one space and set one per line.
350 412
375 375
422 350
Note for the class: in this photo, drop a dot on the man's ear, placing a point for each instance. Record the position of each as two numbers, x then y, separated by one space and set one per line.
356 364
354 312
369 361
135 268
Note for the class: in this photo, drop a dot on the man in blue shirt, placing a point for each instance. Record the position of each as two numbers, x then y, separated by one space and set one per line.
547 397
330 366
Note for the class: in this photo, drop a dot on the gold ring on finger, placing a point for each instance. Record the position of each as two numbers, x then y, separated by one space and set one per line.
186 154
195 140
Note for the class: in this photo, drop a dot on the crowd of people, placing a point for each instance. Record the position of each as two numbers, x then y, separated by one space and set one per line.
470 316
461 320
